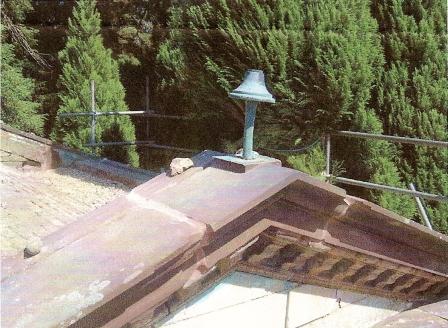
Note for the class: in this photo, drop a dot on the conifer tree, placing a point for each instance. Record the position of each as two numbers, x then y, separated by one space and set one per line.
85 58
343 56
19 107
211 45
413 92
321 60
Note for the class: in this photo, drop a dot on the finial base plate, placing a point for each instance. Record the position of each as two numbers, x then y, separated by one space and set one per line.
237 164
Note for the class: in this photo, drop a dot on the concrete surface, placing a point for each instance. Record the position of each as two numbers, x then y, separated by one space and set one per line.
252 301
434 315
239 300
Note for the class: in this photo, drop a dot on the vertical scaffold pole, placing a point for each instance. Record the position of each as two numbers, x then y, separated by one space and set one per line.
92 104
420 207
147 105
328 153
147 93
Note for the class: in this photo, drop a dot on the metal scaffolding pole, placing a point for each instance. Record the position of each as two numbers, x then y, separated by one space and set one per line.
147 112
328 154
180 149
133 112
147 93
119 143
92 104
149 144
414 141
421 208
371 185
147 104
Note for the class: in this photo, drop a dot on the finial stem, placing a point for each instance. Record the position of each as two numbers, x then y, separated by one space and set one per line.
248 142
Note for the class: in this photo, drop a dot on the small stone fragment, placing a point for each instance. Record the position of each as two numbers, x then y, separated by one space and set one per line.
319 246
33 247
179 165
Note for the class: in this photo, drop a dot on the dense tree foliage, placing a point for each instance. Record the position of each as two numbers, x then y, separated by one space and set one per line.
342 57
321 59
84 59
413 91
20 108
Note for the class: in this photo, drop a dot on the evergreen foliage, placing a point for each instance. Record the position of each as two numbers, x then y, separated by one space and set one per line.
321 59
413 91
19 108
226 39
342 57
85 58
312 162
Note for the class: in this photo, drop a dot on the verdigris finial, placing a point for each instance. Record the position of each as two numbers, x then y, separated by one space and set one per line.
252 90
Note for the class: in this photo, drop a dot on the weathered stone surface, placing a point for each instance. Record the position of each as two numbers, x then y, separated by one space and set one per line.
215 196
110 170
137 254
239 165
91 271
15 161
33 247
38 203
412 319
27 149
439 309
27 145
179 165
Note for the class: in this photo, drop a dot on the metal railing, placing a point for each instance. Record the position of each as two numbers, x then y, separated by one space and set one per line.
411 192
147 113
407 140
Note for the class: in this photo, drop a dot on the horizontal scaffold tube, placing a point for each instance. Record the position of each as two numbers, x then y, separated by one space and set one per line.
371 185
414 141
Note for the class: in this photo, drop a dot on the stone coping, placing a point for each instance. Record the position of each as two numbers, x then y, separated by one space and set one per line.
155 246
50 155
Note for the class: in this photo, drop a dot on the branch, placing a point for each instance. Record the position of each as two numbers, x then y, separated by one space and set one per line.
18 36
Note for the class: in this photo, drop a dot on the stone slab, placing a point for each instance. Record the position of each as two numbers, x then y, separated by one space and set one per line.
97 267
25 145
108 254
412 319
238 164
215 196
362 314
239 300
439 309
309 303
129 176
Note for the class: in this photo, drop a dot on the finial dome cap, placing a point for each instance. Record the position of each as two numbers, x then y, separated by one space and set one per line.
253 88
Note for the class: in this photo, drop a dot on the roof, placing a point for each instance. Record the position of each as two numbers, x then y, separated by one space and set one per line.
27 149
37 203
139 257
46 186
